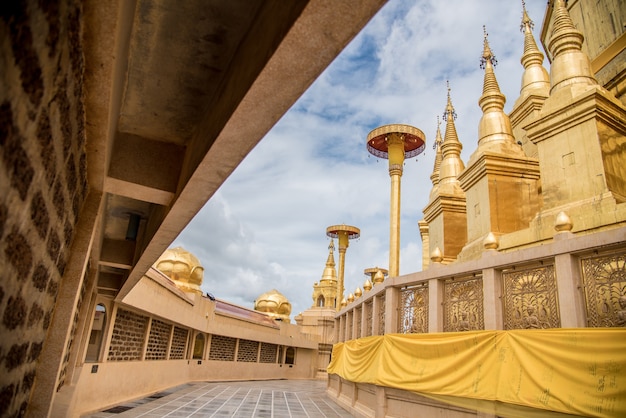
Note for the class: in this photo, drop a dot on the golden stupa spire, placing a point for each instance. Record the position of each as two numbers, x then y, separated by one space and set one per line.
451 165
570 65
535 77
434 177
330 274
494 131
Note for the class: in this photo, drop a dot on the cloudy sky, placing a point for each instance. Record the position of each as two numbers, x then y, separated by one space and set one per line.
265 228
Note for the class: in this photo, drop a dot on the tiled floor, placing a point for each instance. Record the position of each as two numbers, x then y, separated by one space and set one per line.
274 398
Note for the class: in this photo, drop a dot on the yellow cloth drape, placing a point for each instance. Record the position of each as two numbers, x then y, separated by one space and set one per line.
576 371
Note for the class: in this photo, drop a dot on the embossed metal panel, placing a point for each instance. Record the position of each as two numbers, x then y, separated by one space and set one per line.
413 315
463 304
530 298
604 282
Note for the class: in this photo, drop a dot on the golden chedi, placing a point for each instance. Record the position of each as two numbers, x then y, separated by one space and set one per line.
274 304
183 268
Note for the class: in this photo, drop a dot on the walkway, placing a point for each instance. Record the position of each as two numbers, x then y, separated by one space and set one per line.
273 398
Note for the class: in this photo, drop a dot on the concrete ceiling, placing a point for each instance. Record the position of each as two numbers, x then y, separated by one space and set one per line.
177 93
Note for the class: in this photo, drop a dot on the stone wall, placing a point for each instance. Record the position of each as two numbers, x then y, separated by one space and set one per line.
42 178
128 336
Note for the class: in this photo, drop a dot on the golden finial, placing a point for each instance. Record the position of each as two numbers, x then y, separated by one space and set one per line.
331 246
438 138
488 55
526 20
563 222
449 113
490 242
436 256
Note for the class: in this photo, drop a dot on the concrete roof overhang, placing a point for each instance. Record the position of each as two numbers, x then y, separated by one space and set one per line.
177 93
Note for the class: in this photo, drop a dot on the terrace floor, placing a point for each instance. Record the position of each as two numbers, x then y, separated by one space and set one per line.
273 398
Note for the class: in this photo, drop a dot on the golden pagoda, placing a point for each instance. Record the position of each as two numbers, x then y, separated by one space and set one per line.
445 214
325 292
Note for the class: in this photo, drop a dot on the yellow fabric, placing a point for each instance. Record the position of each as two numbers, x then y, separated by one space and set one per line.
576 371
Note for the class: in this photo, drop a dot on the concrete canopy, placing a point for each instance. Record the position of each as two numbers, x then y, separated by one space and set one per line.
177 94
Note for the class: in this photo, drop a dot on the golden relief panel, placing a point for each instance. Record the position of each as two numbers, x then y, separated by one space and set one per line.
604 282
369 307
381 315
413 309
530 298
463 304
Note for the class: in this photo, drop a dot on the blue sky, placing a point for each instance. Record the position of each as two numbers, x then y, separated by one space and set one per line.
265 227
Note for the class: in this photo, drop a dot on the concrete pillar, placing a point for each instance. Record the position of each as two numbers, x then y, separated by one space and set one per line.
569 285
50 361
492 299
376 306
435 309
392 300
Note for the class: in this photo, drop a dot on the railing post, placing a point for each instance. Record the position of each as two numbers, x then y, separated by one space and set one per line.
569 281
492 299
392 301
435 308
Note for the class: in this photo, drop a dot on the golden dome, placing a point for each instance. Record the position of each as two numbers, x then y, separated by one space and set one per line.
183 268
367 286
358 293
274 304
350 298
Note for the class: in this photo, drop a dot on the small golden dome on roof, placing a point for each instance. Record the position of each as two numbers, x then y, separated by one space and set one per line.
183 268
367 286
358 292
350 298
274 304
344 302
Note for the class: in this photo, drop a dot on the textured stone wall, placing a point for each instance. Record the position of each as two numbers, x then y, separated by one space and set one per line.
128 336
179 343
268 353
222 348
42 177
248 351
158 340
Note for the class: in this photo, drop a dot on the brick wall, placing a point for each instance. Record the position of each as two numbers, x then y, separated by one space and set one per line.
222 348
128 336
42 177
179 343
248 351
158 340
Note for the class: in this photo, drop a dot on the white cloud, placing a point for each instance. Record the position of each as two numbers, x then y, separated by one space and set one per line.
265 228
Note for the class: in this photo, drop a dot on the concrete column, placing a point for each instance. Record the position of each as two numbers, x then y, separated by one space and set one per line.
435 309
381 402
50 361
569 285
364 332
492 299
376 315
392 300
354 324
